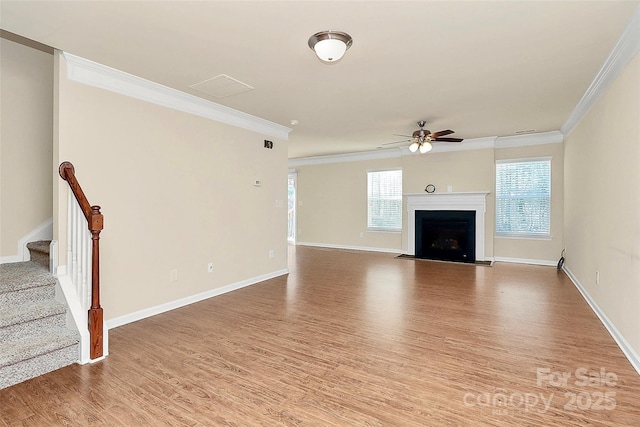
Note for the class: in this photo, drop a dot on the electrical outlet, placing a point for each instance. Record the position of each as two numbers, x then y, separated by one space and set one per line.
597 277
271 253
361 234
173 275
210 267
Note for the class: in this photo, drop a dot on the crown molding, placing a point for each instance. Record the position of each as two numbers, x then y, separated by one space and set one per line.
467 144
552 137
94 74
389 153
627 47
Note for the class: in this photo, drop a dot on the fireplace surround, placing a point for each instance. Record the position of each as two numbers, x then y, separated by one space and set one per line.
468 201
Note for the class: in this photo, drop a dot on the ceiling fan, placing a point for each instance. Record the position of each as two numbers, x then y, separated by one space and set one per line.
421 139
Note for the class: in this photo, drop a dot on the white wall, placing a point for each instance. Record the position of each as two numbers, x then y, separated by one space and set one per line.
26 76
176 191
602 203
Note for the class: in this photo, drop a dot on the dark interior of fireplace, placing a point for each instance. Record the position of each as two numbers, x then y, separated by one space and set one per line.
446 235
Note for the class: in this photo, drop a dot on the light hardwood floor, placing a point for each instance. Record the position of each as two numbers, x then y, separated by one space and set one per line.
354 339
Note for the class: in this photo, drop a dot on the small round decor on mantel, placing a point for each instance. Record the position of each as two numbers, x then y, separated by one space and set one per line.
430 188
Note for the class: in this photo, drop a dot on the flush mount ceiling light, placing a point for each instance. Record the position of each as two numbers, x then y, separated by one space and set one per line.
330 46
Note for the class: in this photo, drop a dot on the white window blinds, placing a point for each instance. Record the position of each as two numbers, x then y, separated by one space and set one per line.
523 197
384 200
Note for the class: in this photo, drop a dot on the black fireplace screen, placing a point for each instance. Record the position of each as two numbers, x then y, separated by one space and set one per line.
446 235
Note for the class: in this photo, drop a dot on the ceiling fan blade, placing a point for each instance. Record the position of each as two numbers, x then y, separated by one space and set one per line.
448 139
441 133
399 134
396 142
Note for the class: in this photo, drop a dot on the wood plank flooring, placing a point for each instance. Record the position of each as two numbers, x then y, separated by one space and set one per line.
354 339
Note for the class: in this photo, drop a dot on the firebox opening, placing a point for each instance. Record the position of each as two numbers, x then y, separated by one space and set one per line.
446 235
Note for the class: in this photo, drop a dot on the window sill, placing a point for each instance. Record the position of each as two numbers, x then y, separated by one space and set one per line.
522 237
383 230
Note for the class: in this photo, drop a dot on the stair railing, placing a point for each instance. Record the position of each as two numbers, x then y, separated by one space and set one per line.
79 252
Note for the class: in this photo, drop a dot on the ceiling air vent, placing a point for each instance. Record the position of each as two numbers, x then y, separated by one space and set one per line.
221 86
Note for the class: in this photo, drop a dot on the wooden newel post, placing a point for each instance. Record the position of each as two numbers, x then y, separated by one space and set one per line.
95 222
95 312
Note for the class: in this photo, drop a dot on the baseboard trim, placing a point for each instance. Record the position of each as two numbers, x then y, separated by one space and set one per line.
526 261
172 305
352 248
626 348
43 231
548 263
76 314
10 258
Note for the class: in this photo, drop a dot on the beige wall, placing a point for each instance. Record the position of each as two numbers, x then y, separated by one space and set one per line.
470 170
26 147
602 203
538 250
334 196
332 205
176 192
334 199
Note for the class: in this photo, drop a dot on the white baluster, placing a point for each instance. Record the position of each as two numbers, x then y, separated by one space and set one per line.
70 202
83 265
86 257
76 267
74 261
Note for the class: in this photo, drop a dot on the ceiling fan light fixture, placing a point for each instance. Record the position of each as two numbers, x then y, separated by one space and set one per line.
425 147
423 139
330 46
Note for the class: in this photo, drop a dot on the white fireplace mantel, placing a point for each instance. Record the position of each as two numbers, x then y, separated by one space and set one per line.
471 201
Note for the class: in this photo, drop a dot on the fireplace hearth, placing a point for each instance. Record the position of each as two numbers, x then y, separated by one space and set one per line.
446 235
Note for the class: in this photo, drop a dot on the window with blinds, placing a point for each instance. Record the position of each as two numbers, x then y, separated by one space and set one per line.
384 200
523 198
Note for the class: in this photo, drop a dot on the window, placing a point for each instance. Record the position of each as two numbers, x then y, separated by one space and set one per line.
523 197
384 200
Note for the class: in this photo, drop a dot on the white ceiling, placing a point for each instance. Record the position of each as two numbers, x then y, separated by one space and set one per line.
480 68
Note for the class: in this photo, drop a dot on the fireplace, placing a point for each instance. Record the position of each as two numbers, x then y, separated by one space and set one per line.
445 235
473 202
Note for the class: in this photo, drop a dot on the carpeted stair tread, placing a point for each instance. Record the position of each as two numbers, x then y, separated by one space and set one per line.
27 348
39 246
23 275
39 252
33 336
30 311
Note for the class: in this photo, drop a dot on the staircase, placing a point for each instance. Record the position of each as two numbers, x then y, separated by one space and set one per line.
33 334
